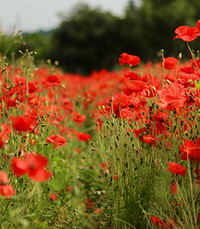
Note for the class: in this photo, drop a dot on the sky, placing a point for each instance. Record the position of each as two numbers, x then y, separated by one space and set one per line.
33 15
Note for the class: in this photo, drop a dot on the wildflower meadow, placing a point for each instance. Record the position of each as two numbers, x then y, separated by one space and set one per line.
115 149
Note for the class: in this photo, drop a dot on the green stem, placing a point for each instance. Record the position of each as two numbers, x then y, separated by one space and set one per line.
191 189
27 91
193 57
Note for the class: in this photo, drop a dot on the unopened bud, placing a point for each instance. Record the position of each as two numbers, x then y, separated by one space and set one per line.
180 56
153 89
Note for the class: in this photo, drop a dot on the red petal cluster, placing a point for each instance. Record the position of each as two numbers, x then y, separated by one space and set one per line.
191 150
170 63
132 60
34 165
77 117
5 190
172 97
83 137
22 123
162 223
52 81
176 168
57 140
187 33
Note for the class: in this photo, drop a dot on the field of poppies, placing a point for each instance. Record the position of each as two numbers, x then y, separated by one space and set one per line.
111 150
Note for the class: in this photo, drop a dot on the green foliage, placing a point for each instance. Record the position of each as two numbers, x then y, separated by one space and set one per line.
84 42
38 42
135 169
9 44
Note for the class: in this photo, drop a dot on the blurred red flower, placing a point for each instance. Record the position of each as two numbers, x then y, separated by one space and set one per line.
176 168
97 210
83 136
6 129
7 190
18 166
53 197
170 63
173 188
136 85
52 81
3 178
77 117
150 139
115 177
157 221
57 140
22 123
34 166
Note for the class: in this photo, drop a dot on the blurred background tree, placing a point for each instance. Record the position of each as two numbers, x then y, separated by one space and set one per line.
86 41
90 39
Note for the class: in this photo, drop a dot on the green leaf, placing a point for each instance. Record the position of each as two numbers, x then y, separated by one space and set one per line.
58 183
197 84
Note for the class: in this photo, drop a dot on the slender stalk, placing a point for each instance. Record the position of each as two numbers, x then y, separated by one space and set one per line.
193 57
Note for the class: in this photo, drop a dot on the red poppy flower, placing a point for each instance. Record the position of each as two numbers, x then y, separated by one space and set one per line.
150 139
1 143
31 87
172 97
176 168
22 123
132 76
136 85
186 33
129 59
83 136
119 100
53 197
104 165
89 203
34 166
157 221
57 140
77 117
97 210
170 63
115 177
69 189
191 150
52 81
140 133
18 166
6 129
173 188
7 190
35 162
3 178
40 175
